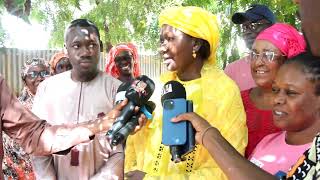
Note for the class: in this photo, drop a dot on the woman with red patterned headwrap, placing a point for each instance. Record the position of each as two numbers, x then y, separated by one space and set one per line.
123 63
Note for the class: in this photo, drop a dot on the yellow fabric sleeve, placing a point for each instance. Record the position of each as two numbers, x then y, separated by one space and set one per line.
218 100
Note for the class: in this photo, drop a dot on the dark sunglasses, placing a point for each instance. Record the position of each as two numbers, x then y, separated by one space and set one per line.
35 74
252 26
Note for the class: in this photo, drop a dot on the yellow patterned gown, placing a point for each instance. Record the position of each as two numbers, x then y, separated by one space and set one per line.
217 99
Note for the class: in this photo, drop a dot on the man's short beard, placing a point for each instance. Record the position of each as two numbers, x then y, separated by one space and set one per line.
86 76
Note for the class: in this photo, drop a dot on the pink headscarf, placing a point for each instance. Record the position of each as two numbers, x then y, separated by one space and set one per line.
285 37
113 53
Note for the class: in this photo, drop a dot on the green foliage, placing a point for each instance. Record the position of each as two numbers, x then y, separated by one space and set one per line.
3 35
1 6
19 8
137 20
284 10
134 20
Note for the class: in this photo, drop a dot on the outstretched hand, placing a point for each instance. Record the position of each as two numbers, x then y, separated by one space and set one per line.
199 124
109 119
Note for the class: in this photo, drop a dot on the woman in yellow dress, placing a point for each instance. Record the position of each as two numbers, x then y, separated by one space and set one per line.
189 38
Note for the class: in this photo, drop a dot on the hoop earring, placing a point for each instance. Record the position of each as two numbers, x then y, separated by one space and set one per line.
194 55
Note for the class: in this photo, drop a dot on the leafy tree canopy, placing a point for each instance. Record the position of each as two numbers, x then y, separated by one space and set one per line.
136 20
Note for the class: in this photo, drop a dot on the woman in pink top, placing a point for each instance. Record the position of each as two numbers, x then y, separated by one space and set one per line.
271 48
296 110
274 154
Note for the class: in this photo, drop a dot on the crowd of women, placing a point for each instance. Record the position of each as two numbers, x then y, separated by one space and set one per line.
265 132
17 163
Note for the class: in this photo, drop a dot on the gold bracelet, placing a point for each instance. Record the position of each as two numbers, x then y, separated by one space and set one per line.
204 133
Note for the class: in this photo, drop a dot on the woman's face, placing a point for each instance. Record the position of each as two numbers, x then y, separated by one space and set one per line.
35 75
124 63
63 65
176 49
265 61
295 104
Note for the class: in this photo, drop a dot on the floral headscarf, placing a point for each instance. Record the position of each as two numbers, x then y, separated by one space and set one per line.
26 97
285 37
114 52
31 63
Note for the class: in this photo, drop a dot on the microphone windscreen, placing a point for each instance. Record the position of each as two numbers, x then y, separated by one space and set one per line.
121 92
123 87
150 85
173 90
140 90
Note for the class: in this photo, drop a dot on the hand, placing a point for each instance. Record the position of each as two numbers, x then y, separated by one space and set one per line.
199 124
135 175
108 120
142 119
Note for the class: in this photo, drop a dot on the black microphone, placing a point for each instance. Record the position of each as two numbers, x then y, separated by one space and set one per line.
121 92
189 146
124 132
173 90
138 93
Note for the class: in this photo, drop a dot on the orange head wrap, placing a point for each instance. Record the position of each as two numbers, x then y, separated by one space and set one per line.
55 59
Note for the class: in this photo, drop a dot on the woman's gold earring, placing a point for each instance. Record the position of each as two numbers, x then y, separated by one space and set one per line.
194 54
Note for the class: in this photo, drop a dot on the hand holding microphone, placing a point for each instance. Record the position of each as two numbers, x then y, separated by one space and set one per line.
178 136
130 126
200 125
137 93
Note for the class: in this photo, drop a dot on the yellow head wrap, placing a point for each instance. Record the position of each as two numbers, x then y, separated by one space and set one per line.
195 22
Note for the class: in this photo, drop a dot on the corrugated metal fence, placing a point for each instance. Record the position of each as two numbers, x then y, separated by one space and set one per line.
12 60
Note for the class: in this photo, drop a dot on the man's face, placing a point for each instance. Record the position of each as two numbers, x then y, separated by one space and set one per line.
310 17
83 49
250 30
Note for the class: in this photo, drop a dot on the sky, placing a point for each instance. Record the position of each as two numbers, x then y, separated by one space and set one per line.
31 36
23 35
36 37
